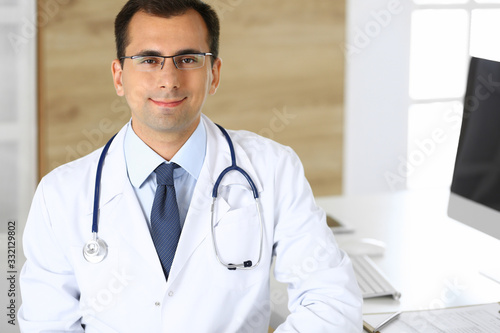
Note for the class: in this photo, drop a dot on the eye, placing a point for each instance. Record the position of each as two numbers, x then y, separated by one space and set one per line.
188 59
148 60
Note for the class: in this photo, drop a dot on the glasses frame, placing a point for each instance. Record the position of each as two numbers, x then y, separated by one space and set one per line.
205 54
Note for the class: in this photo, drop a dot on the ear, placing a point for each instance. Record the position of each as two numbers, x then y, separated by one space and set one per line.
117 71
215 76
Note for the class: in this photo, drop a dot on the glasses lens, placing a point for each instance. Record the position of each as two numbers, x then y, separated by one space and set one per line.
147 63
189 61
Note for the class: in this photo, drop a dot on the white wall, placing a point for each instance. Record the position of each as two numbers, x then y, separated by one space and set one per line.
376 94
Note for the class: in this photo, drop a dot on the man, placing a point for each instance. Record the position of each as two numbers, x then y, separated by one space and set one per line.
167 66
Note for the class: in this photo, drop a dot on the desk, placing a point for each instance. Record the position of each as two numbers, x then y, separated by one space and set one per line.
431 259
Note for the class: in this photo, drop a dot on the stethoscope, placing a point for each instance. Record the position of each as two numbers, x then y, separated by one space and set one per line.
96 249
233 167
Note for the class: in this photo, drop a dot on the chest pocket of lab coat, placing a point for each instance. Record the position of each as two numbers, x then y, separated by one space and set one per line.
238 237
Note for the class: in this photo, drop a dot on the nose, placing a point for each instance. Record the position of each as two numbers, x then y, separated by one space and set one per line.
168 75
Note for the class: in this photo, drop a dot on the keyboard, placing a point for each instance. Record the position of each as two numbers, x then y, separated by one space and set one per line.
371 280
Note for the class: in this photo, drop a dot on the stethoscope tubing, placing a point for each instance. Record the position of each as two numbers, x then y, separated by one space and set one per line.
97 189
233 167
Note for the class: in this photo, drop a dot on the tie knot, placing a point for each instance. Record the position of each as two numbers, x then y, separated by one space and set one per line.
165 174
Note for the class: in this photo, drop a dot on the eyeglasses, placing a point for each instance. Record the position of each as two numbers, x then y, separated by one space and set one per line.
146 63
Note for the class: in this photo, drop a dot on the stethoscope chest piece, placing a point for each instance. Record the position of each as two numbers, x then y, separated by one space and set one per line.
95 250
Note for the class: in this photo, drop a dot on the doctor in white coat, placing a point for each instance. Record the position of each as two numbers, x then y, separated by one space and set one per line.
128 291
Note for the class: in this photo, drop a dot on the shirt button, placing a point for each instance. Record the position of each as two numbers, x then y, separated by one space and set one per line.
157 303
170 293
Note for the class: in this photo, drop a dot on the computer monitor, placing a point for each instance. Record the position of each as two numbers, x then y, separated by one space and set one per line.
475 189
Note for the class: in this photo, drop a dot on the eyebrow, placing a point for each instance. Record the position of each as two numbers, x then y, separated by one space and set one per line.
154 53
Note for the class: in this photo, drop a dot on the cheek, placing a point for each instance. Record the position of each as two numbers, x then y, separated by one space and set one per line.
204 86
200 81
193 87
135 89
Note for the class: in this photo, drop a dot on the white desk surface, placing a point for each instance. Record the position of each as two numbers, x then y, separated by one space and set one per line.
431 259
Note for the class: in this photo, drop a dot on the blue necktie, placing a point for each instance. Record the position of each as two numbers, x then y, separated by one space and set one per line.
165 222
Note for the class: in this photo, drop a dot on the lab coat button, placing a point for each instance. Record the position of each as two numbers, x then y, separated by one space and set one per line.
157 303
170 293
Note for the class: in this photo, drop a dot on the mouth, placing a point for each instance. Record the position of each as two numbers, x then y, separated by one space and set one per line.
168 103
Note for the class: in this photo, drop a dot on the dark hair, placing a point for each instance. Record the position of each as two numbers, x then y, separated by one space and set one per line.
166 9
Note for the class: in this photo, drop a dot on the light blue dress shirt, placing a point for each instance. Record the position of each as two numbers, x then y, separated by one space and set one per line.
141 162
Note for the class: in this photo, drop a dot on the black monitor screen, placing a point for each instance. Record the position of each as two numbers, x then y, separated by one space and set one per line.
477 166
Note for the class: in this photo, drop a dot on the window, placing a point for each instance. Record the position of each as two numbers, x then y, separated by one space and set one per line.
17 113
444 34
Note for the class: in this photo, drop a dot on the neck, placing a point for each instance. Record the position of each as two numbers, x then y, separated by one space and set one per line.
165 143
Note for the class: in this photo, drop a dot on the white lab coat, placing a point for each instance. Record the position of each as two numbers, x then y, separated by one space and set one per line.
127 292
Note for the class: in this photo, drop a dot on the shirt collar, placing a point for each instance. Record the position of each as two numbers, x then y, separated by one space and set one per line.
141 160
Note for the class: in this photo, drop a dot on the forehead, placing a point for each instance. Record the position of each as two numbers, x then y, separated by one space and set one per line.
167 35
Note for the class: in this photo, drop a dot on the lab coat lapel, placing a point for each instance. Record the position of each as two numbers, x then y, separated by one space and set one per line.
120 209
135 231
197 225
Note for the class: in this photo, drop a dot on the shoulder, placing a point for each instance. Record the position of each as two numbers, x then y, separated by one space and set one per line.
267 156
263 153
254 144
81 170
73 175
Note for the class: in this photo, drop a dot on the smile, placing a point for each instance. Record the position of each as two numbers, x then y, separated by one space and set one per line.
168 104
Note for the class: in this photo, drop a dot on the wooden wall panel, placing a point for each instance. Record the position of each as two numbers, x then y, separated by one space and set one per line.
282 77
